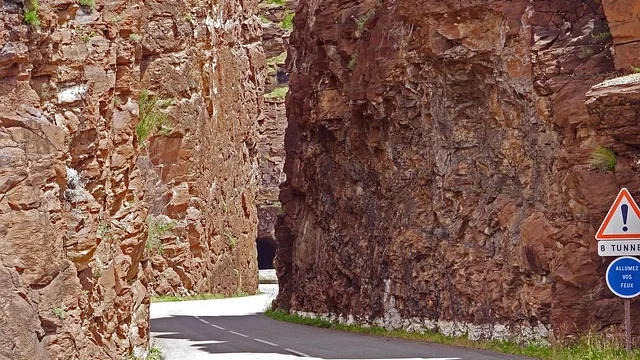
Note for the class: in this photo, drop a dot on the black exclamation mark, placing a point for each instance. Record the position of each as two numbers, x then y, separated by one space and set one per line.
624 208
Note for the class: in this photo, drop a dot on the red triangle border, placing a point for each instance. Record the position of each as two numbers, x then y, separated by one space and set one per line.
624 193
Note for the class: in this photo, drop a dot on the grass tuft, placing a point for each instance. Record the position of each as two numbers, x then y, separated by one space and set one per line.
151 118
206 296
59 313
353 61
280 59
278 93
87 3
155 354
590 347
601 36
604 159
287 20
362 20
231 240
135 37
157 228
31 13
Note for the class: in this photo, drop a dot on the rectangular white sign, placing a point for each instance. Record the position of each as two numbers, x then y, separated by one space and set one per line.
618 247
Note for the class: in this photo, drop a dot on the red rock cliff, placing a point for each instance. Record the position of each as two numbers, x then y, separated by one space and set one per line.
90 169
276 25
438 165
205 62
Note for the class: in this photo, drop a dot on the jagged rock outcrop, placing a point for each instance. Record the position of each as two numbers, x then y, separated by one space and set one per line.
622 16
205 62
438 169
614 106
125 128
71 215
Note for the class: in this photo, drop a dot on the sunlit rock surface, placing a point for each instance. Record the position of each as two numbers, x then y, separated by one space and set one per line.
94 211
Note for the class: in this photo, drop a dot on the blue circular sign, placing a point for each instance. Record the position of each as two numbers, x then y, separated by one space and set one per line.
623 277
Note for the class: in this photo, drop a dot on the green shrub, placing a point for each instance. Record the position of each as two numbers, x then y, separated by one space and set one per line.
155 354
265 20
59 313
604 159
354 60
231 240
278 93
151 118
280 59
602 35
155 229
287 20
31 13
275 2
135 37
362 20
87 3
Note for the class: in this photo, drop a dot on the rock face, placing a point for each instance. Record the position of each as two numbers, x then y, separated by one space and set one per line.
625 29
205 63
438 166
275 20
71 215
126 135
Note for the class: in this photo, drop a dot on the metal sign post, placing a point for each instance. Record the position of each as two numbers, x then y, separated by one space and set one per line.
623 279
619 235
627 323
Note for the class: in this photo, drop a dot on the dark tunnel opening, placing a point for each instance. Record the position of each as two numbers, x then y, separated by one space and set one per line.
266 253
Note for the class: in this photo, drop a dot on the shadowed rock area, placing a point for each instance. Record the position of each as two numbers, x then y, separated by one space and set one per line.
438 165
272 123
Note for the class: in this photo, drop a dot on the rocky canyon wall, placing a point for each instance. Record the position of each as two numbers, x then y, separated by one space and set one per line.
205 61
276 23
438 163
72 219
126 131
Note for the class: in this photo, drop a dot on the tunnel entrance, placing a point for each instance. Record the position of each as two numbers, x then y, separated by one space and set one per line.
266 252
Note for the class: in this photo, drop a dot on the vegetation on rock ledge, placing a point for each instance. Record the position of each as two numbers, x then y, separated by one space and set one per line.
151 118
31 13
87 3
205 296
278 93
604 159
287 21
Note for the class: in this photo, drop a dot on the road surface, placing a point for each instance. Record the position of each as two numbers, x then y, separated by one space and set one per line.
236 329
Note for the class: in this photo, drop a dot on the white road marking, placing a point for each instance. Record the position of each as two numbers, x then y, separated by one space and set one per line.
208 323
237 333
266 342
298 353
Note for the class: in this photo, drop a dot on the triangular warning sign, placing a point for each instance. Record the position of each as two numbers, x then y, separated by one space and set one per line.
622 221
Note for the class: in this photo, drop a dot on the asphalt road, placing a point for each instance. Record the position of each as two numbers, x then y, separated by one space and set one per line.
237 329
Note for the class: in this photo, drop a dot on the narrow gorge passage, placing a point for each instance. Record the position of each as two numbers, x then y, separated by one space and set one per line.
417 165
